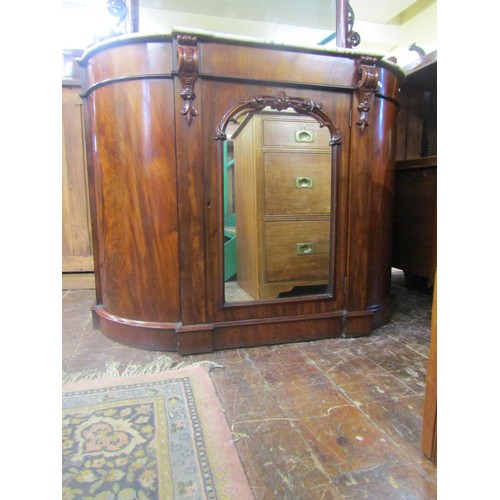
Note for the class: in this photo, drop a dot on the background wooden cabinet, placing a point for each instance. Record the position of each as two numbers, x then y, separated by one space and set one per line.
283 198
77 260
414 241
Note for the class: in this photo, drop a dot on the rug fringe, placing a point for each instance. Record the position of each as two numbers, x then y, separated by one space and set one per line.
160 364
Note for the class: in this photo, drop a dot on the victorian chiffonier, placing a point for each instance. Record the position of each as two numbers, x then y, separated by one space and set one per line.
318 182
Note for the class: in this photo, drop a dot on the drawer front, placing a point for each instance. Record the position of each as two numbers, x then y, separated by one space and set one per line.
297 133
297 183
297 250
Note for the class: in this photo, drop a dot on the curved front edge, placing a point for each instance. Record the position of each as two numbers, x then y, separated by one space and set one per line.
139 334
202 338
373 142
382 313
359 323
132 174
381 206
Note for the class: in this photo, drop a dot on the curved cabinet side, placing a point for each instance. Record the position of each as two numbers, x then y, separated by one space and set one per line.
138 334
127 58
379 298
369 302
132 173
383 144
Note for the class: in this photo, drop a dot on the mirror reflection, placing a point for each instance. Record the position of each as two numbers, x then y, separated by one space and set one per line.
277 206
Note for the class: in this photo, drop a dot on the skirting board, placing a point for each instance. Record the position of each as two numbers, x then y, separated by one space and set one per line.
78 281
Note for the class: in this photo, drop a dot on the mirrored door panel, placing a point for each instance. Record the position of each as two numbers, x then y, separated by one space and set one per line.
277 177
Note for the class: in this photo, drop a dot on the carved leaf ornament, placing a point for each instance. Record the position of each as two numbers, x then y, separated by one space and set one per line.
187 54
367 85
279 102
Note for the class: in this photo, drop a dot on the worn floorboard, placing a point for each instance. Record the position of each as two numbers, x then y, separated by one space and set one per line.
328 419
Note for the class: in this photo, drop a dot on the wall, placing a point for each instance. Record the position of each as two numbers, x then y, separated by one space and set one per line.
160 21
82 23
418 25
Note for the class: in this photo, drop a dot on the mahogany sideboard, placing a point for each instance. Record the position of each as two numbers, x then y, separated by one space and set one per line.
158 109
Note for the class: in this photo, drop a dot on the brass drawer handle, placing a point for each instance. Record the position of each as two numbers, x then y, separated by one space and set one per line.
303 182
304 135
305 248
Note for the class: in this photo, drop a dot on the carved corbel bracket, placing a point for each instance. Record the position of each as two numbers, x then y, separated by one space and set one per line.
279 102
367 86
187 56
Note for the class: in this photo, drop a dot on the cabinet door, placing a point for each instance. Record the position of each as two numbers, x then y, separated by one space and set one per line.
76 231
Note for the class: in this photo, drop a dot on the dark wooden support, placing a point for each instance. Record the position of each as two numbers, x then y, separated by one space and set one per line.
132 19
341 19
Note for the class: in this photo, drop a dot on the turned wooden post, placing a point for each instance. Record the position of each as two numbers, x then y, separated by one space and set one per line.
341 20
132 19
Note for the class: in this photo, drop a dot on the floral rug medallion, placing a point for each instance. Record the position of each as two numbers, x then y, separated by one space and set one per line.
147 438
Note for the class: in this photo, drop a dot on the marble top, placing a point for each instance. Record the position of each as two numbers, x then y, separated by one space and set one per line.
231 38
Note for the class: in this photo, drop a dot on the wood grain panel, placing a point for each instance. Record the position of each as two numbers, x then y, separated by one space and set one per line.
414 238
136 206
371 200
276 64
279 132
382 194
284 263
281 171
128 59
192 209
254 333
76 228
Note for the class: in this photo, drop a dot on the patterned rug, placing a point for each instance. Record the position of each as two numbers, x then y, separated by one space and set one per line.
161 436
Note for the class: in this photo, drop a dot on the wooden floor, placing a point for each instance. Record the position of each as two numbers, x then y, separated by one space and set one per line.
330 419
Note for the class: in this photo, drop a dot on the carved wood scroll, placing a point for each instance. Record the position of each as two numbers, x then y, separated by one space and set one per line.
353 38
187 56
279 102
367 86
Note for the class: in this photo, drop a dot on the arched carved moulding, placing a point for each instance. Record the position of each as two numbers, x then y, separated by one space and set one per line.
187 56
279 102
367 86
